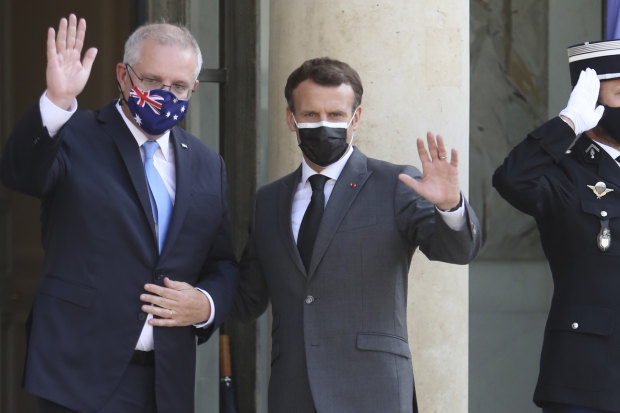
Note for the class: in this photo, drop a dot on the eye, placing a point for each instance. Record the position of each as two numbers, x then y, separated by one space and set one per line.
337 115
150 82
180 88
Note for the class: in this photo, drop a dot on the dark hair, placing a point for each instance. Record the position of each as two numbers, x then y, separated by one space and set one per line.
327 72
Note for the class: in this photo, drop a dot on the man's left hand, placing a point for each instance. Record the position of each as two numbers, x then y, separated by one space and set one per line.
176 304
440 176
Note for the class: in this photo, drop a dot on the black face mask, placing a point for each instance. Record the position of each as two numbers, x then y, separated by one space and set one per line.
324 142
611 122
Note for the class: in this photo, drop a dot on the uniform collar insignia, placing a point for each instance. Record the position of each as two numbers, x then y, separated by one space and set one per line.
592 150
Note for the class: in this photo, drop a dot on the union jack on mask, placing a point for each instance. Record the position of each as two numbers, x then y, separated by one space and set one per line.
156 110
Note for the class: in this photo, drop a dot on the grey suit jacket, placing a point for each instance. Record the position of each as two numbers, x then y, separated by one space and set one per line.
339 335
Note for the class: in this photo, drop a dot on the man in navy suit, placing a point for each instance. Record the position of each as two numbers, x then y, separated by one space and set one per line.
138 252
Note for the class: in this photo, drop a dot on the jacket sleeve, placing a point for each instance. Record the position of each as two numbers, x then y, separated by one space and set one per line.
523 177
32 161
422 225
252 296
220 274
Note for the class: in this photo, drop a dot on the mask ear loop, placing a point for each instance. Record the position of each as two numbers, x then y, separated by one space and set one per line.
120 89
352 133
295 120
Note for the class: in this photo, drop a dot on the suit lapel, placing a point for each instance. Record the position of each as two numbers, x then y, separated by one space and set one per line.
285 202
114 125
348 186
183 166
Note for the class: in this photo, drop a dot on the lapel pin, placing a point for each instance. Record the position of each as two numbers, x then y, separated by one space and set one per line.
592 150
353 184
184 146
600 189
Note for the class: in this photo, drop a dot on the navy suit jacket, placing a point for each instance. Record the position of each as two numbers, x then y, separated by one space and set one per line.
580 359
100 250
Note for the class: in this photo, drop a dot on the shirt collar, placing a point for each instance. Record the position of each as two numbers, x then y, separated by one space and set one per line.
613 152
139 135
331 171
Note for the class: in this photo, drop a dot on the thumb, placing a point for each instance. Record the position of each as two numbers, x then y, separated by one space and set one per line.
171 283
599 110
409 181
89 58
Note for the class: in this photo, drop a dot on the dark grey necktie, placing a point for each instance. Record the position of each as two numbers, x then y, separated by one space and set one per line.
312 218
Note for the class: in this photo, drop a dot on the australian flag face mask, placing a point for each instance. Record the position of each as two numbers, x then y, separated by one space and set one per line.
156 110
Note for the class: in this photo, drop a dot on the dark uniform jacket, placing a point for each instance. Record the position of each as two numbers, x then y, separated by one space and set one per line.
580 361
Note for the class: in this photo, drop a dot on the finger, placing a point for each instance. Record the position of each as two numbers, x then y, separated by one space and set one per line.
61 37
164 322
162 312
71 31
441 148
432 145
409 181
158 301
161 291
51 44
80 35
176 285
454 158
422 152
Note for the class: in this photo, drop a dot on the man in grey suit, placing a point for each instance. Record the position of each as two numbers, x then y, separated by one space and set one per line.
330 248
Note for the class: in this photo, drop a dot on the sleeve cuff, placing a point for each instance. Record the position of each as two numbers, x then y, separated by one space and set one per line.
52 116
454 218
212 316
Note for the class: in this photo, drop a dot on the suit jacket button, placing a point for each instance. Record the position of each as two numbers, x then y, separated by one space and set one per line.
574 326
309 299
160 277
141 316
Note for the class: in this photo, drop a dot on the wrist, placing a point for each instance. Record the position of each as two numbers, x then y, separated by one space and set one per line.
63 102
568 121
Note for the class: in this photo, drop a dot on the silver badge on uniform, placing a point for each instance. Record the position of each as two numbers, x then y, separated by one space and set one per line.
600 189
604 236
592 150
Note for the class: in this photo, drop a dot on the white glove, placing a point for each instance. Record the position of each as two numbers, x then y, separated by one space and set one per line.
581 108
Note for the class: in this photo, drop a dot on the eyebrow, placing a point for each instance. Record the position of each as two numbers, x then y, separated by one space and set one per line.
147 75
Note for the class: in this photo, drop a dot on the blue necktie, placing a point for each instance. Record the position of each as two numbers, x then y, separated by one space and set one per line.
160 199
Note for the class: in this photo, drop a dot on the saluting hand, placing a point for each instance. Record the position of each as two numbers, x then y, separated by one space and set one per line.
65 74
440 176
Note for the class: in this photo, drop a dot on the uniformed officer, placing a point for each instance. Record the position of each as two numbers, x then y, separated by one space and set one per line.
574 196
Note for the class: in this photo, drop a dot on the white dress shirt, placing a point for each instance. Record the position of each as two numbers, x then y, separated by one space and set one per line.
454 219
613 152
54 117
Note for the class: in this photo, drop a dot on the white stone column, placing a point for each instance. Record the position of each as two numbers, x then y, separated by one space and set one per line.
413 58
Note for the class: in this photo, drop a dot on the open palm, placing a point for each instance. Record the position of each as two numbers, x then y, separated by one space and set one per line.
66 75
440 178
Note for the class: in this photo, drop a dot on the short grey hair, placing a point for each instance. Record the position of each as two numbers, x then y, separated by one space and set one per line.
164 33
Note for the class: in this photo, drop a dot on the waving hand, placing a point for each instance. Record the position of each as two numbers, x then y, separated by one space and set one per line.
66 74
440 177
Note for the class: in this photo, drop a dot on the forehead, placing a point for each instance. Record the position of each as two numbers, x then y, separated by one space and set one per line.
167 60
309 95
